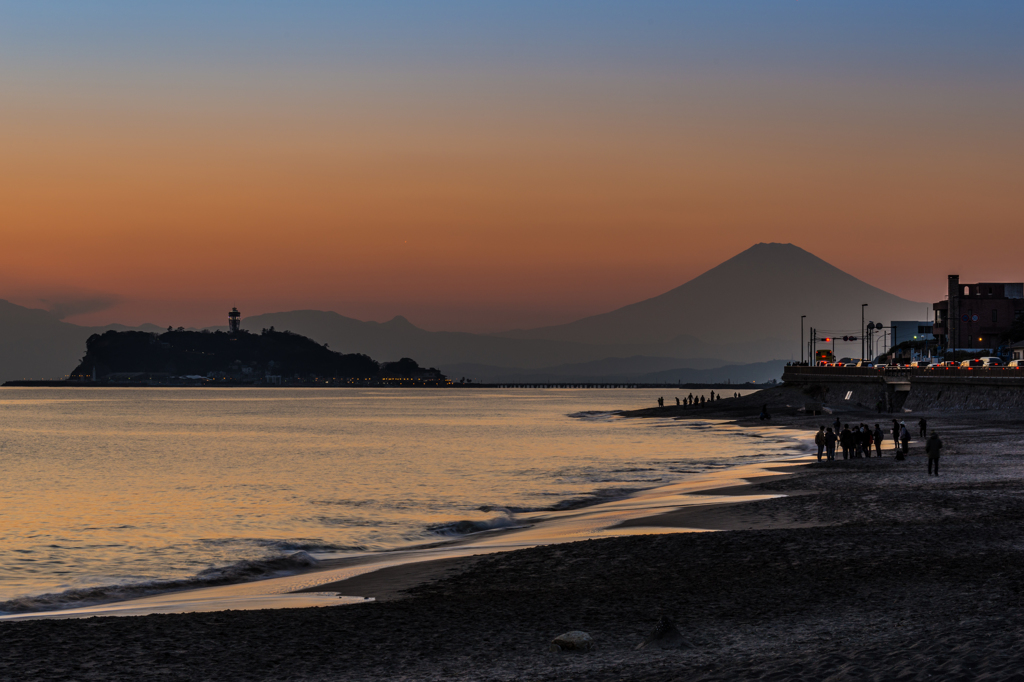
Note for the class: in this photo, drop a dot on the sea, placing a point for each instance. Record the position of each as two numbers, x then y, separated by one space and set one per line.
108 494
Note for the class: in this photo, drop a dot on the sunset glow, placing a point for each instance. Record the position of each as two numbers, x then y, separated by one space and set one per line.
483 169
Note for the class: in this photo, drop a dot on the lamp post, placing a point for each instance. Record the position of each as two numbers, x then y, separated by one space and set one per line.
862 307
802 338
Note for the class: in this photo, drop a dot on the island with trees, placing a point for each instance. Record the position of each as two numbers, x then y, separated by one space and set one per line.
180 357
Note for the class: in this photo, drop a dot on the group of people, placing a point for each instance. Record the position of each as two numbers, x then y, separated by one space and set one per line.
699 401
857 442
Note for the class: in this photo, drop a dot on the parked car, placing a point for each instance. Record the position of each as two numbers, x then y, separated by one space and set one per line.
970 364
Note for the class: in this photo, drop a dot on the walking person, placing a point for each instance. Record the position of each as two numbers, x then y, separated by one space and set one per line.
879 437
819 440
923 425
830 444
932 447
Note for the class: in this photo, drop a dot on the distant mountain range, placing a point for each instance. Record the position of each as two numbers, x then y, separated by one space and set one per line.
744 312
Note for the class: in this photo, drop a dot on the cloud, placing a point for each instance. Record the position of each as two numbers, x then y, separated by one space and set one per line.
68 305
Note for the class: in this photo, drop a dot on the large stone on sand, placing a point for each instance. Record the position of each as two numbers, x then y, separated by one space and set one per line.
577 640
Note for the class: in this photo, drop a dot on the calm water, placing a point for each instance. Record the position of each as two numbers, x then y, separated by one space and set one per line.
102 487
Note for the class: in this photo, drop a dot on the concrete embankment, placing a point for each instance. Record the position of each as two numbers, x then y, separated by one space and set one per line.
915 390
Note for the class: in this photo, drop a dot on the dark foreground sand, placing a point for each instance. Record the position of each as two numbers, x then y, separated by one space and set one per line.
875 571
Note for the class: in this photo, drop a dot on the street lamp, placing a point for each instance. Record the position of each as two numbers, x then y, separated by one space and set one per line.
802 338
862 307
870 332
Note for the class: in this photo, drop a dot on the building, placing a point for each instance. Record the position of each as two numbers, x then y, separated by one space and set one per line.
910 330
234 321
1018 350
975 316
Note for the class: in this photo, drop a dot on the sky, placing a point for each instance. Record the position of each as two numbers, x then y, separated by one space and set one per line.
485 166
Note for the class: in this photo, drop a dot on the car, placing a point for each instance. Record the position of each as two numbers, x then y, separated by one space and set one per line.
948 364
971 364
865 363
1016 364
920 363
991 362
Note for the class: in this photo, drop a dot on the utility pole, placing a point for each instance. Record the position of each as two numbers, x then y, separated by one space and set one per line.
862 307
802 338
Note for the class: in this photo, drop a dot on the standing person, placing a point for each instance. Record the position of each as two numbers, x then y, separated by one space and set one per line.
879 437
844 441
764 412
932 447
819 440
837 426
830 443
905 437
677 401
661 402
690 398
712 395
895 434
865 439
923 425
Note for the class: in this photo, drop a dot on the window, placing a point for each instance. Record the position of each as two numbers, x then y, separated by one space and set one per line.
967 291
995 316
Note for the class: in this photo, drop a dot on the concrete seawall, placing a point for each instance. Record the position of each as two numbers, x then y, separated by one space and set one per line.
915 390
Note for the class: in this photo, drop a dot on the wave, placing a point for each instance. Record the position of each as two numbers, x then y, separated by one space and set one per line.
467 527
596 415
242 571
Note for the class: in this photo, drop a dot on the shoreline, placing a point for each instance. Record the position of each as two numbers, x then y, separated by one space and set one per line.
896 574
350 576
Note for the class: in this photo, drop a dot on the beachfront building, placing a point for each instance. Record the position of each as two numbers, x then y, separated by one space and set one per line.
911 330
975 316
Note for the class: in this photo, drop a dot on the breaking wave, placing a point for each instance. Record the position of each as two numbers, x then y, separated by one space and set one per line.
595 415
242 571
467 527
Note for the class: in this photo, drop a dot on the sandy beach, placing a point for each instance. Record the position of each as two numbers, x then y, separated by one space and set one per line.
865 570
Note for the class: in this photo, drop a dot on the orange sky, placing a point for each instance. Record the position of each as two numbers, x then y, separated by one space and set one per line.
488 199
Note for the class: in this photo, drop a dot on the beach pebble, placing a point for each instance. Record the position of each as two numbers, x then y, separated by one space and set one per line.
666 636
577 640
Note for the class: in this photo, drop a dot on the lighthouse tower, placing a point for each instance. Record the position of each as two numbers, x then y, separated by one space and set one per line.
234 321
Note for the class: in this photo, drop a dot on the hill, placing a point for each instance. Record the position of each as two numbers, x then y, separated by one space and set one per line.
240 357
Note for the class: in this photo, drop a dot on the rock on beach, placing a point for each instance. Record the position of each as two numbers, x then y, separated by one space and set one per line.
577 640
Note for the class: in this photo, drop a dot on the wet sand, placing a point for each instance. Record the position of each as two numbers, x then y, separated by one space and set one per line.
867 570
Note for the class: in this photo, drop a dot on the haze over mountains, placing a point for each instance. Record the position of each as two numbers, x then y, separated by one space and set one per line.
746 310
